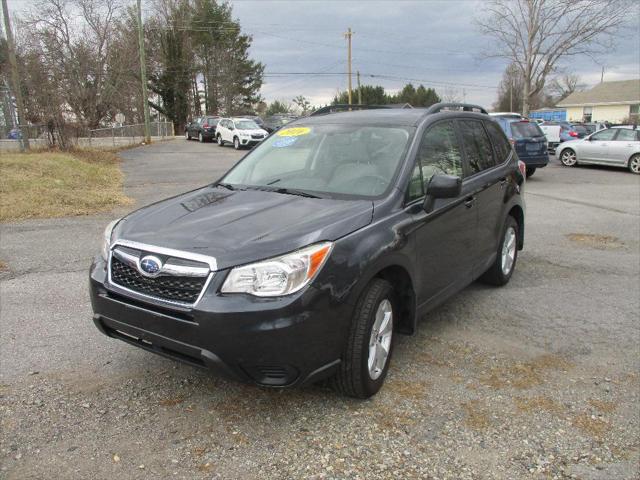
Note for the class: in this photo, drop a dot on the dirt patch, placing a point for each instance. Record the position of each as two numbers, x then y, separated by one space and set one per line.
407 388
601 242
603 405
524 375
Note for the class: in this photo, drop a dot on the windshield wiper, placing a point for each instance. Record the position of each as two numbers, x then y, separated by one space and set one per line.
228 186
284 190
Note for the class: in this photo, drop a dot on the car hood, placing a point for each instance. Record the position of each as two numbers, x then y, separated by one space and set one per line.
242 226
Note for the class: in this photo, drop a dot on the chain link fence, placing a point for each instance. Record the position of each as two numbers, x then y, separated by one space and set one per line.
43 136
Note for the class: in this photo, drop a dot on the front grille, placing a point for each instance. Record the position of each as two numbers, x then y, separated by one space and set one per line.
172 288
258 136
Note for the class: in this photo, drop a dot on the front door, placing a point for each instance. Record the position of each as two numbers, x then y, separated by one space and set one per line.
444 237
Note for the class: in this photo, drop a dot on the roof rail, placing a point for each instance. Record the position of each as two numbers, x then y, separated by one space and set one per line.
466 107
345 107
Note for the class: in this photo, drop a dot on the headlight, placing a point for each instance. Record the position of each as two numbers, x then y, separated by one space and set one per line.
278 276
106 239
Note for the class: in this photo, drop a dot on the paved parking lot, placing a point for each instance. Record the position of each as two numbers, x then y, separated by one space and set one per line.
539 379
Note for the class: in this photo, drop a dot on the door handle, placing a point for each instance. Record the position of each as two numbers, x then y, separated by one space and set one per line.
469 202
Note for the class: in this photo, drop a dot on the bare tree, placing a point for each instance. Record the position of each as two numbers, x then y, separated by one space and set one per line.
451 95
536 34
563 86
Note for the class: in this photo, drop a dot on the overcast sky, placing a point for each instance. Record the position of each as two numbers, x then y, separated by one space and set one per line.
435 43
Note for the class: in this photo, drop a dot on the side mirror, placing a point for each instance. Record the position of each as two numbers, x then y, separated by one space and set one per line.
442 186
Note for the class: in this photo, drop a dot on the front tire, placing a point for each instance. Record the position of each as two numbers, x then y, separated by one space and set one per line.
220 141
187 135
500 272
365 362
634 164
568 158
236 143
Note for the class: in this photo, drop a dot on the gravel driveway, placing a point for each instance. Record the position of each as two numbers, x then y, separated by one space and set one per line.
539 379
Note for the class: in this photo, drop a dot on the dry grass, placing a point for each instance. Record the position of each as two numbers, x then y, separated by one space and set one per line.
54 184
539 403
3 267
407 388
601 242
591 425
524 375
603 405
477 415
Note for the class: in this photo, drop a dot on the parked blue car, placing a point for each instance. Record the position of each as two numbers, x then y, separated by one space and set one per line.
527 139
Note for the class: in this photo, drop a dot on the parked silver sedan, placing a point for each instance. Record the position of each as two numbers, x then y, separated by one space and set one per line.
618 147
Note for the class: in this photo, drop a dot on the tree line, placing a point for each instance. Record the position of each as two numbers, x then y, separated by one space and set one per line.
79 65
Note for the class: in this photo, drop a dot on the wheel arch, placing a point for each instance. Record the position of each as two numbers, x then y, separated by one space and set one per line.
518 214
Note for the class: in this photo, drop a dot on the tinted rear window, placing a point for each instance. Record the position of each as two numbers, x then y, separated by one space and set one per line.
580 129
213 120
525 130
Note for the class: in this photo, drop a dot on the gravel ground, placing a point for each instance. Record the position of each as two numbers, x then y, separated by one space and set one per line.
539 379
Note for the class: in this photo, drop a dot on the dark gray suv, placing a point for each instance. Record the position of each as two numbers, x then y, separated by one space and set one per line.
305 260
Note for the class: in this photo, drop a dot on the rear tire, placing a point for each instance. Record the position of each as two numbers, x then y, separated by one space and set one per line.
634 164
201 137
365 362
568 158
530 171
500 272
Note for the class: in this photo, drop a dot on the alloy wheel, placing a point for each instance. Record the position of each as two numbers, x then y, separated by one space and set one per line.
380 339
634 164
508 250
568 158
236 143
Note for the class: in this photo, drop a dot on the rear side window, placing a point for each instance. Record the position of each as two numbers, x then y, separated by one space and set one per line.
525 130
477 146
625 135
500 142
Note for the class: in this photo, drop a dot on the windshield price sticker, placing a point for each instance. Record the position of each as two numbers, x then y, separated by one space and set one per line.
294 132
284 142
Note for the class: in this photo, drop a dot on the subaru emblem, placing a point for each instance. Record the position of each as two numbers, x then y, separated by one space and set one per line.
150 266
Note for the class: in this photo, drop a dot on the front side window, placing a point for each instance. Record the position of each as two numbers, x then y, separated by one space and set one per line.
604 135
439 152
500 142
476 146
332 159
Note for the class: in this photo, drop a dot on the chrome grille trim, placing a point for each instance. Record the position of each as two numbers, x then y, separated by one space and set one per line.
173 270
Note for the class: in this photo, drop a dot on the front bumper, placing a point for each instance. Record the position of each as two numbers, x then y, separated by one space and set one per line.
250 142
273 342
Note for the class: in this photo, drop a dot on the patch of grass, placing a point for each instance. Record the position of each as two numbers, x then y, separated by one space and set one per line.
601 242
524 375
52 183
603 405
539 403
3 267
591 425
407 388
477 416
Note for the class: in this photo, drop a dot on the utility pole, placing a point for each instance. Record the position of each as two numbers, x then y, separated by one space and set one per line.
348 36
143 74
15 79
359 91
602 75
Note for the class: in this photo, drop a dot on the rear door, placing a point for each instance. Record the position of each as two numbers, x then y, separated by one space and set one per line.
596 147
444 237
624 144
486 178
529 140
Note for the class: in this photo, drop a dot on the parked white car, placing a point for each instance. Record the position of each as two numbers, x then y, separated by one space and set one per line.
241 132
618 147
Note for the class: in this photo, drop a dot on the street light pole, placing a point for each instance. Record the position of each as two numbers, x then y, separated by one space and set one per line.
348 36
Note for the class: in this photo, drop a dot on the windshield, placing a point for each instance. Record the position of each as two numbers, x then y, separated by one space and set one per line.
332 159
526 130
246 125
